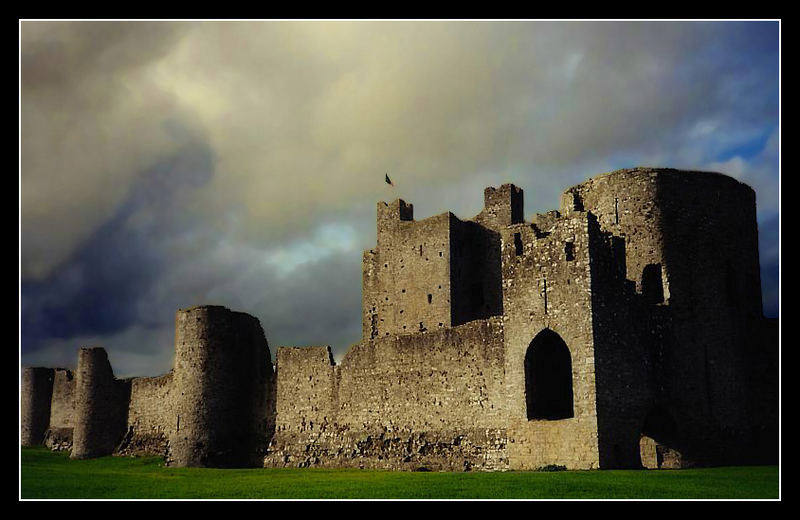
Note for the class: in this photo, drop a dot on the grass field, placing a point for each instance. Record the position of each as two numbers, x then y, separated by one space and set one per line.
47 474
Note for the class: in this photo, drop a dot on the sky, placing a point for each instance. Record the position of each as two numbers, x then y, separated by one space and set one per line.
171 164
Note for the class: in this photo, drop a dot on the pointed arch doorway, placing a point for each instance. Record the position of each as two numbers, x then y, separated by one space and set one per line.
548 378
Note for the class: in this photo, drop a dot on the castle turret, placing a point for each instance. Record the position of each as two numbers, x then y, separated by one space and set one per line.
502 207
390 214
101 406
37 390
691 247
221 380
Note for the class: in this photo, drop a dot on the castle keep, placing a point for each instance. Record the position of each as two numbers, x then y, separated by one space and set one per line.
623 330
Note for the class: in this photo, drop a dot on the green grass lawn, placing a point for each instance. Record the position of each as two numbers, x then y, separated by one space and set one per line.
47 474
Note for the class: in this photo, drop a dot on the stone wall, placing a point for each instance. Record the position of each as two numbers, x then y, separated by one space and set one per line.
307 383
502 207
430 400
436 272
151 416
626 336
445 379
408 287
62 411
547 287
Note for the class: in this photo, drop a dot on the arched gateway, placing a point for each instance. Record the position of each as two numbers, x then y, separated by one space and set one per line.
548 377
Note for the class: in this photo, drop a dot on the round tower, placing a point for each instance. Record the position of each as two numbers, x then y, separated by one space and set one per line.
221 377
101 406
36 392
686 227
691 247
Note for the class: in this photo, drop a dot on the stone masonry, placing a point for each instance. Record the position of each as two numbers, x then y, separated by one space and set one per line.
623 330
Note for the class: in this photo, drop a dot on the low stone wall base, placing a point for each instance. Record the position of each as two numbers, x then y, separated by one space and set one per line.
479 450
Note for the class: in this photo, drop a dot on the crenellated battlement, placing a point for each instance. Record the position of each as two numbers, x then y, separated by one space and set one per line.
502 206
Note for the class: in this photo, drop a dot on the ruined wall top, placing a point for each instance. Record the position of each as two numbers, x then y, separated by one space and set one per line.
502 206
571 199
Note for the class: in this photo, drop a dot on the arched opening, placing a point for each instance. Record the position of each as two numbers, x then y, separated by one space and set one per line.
548 377
660 425
660 440
652 285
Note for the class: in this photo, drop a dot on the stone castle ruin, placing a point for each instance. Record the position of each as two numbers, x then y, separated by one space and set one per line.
624 330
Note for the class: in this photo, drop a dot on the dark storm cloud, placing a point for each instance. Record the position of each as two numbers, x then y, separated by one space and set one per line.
768 237
97 289
91 120
317 303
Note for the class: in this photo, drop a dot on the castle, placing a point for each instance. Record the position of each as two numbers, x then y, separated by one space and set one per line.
624 330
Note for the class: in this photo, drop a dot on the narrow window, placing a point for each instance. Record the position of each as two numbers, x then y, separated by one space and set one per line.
517 244
569 251
577 202
544 293
430 298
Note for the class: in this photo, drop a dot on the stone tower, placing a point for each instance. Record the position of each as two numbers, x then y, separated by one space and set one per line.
101 406
221 382
691 249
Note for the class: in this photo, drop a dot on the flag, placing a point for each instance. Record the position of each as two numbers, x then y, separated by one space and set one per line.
389 181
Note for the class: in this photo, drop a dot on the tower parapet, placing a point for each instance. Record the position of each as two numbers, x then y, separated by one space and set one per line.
503 206
390 214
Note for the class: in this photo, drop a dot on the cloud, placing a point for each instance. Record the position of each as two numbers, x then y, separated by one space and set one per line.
90 121
769 256
238 163
95 290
